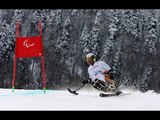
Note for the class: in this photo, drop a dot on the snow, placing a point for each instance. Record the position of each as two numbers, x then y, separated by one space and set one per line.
86 100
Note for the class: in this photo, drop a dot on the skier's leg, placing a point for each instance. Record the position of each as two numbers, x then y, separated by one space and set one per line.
111 83
100 85
110 80
104 86
113 88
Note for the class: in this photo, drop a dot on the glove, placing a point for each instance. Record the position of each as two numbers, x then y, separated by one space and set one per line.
87 81
111 74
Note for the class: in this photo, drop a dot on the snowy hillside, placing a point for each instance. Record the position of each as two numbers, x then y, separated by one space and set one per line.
86 100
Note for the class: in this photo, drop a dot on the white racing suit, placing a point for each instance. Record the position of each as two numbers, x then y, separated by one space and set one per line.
98 78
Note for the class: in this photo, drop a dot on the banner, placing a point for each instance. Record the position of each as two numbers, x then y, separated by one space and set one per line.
28 47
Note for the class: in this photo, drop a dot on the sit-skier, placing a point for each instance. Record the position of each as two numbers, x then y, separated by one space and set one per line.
100 75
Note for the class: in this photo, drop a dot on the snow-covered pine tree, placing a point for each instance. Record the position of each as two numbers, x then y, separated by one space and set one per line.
136 34
126 22
54 20
35 69
113 29
7 42
146 79
36 15
50 17
22 73
136 24
152 36
85 41
64 41
95 37
39 15
75 12
18 15
131 22
4 45
63 45
58 18
116 63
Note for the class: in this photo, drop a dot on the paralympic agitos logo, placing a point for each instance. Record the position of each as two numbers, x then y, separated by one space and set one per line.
27 45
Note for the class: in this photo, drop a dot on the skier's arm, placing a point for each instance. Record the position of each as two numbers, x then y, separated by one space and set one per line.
105 66
107 72
88 80
107 69
91 75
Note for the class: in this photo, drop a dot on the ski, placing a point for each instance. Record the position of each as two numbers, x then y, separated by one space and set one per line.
108 95
73 92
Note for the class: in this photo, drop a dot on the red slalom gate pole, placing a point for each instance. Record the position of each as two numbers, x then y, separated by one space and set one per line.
14 59
43 75
43 69
14 73
17 29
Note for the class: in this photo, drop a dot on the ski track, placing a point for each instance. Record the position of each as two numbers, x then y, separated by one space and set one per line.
57 100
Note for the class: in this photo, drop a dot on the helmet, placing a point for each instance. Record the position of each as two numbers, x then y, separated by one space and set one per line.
91 55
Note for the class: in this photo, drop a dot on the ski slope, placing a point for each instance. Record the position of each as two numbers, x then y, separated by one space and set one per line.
57 100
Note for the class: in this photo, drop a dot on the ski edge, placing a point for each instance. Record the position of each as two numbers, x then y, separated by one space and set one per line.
107 95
